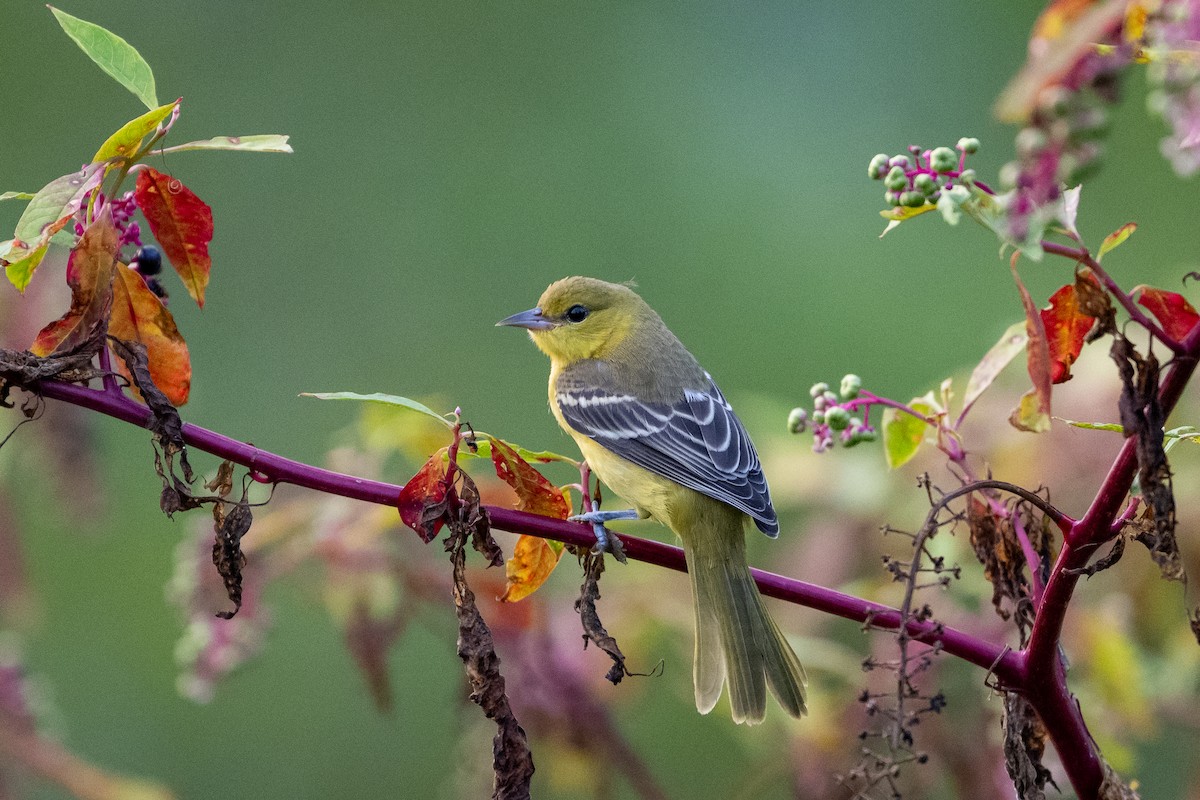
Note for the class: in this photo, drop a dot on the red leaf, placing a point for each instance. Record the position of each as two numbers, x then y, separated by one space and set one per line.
422 501
139 315
182 223
1038 361
1172 310
535 494
1066 324
90 276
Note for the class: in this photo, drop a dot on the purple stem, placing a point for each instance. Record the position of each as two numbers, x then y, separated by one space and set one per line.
1036 672
868 399
1043 676
999 659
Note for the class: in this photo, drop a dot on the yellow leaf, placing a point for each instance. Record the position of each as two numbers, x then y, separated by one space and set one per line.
128 138
532 561
1029 415
1116 238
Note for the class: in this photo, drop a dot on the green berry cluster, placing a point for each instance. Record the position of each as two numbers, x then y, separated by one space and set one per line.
834 413
912 180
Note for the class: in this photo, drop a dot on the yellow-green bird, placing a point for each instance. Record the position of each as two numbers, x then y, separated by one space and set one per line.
653 425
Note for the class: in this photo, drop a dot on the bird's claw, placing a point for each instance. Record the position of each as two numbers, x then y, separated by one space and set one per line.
606 540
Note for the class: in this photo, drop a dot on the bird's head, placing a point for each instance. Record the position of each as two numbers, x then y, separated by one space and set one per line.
578 318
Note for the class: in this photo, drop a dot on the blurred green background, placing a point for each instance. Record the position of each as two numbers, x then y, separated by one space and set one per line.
451 160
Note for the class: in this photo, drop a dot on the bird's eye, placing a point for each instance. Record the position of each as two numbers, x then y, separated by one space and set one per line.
576 313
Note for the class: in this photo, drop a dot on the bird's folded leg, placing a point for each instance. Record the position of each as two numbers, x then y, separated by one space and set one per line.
606 540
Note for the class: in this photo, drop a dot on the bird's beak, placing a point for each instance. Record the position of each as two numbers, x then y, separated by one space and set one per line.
531 319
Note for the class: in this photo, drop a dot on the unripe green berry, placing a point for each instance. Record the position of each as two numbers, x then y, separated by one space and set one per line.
796 420
837 418
904 162
831 399
818 389
896 179
968 145
967 176
943 159
891 198
878 166
925 184
869 435
912 199
851 386
818 418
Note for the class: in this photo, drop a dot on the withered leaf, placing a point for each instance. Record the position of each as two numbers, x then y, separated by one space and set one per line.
227 553
1142 417
1095 302
1024 746
512 761
999 551
593 628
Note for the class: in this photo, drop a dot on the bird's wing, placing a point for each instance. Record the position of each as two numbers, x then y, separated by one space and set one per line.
697 441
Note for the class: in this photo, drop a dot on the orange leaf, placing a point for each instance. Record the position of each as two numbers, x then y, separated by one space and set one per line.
90 276
1172 310
535 494
182 223
422 501
139 315
533 559
1066 324
1038 350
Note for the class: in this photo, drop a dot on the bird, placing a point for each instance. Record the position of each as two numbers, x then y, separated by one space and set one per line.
653 426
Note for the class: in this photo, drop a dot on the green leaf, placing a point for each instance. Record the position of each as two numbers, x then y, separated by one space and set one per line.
483 449
1183 433
16 196
903 433
1011 342
258 143
112 54
57 199
125 142
1116 238
20 272
386 399
1094 426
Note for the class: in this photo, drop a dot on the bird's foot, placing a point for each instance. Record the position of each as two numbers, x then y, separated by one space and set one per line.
606 540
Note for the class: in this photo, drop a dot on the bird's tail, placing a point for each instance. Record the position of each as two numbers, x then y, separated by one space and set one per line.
736 639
